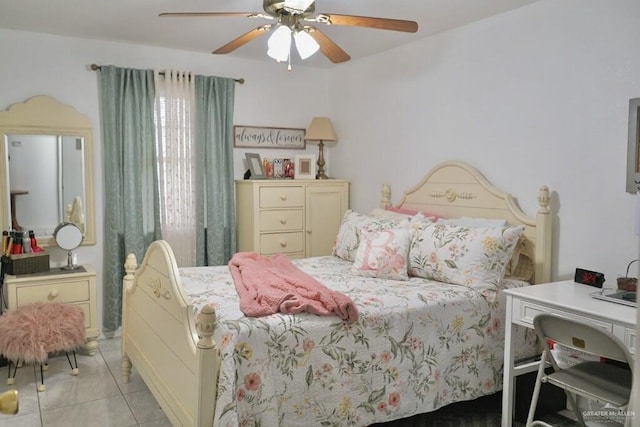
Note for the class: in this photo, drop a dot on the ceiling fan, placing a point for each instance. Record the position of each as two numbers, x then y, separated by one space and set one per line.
291 18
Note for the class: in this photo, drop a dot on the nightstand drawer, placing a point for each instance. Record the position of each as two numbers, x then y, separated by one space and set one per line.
86 309
281 242
60 292
279 220
77 287
281 197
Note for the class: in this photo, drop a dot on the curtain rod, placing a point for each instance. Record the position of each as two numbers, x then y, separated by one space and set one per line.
95 67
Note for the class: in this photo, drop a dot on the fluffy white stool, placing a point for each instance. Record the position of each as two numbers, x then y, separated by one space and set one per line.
29 333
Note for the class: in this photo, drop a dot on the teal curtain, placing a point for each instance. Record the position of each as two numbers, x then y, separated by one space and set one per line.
131 208
214 144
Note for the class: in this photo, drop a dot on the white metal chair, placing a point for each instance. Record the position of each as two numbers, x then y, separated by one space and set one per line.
597 380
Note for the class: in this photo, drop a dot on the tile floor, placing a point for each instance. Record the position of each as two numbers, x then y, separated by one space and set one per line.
96 397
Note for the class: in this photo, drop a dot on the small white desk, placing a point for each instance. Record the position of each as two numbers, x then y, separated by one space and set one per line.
568 299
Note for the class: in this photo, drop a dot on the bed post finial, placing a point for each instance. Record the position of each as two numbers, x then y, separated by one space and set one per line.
206 324
543 199
386 196
130 266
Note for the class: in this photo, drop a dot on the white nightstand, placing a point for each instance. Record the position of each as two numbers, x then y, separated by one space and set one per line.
76 287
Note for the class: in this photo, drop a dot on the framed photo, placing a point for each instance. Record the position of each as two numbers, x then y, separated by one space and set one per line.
633 149
305 166
268 137
255 165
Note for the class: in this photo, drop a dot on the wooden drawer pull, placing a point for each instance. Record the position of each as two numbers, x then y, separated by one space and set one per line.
53 294
283 197
283 243
283 221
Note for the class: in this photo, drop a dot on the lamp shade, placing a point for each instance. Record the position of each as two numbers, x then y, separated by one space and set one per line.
320 129
279 44
298 6
305 44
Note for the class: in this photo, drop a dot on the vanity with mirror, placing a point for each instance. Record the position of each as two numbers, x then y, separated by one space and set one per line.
46 164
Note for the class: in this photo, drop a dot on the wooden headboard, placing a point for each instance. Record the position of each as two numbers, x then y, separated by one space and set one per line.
456 189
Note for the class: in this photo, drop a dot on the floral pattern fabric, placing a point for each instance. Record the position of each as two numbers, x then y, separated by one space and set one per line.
353 223
383 254
469 256
418 345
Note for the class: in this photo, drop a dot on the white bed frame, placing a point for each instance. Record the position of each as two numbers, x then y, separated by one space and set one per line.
175 354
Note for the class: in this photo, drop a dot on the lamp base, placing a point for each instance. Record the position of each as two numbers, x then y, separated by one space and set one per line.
320 174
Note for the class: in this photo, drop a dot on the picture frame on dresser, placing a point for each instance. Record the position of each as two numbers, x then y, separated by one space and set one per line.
305 166
254 162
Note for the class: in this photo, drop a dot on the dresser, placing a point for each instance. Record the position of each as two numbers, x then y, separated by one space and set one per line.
76 287
299 218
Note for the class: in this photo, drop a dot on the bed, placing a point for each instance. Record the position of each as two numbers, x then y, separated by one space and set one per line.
419 344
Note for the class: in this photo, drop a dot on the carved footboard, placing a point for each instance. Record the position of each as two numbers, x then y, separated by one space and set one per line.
175 355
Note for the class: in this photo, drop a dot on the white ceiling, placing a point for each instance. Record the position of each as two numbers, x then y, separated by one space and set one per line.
137 22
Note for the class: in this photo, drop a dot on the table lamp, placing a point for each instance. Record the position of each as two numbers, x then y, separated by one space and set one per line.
321 130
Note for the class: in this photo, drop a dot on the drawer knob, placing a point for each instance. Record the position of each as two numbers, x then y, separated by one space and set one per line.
53 294
308 231
283 221
283 197
283 243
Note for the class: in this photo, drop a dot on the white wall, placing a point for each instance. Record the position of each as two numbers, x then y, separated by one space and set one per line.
534 96
37 64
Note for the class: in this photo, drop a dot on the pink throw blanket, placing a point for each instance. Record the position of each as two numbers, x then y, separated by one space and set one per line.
271 284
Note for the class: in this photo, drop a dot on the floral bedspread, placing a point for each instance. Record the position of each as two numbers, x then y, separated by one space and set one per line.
417 346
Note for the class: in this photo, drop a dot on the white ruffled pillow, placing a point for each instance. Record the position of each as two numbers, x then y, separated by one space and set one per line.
353 223
383 254
469 256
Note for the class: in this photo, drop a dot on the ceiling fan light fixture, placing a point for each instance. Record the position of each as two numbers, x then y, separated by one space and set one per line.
279 44
305 44
297 6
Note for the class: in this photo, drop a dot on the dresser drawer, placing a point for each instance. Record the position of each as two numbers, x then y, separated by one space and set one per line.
524 312
281 197
279 220
281 242
60 292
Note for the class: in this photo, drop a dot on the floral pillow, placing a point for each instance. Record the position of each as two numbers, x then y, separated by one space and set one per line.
353 223
383 254
469 256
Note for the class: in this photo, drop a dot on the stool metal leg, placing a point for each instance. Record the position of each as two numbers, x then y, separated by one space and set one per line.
74 370
41 385
12 379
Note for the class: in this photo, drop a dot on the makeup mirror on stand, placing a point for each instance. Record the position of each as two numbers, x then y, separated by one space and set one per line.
68 237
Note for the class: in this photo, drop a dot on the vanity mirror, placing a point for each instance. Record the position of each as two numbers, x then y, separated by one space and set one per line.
46 165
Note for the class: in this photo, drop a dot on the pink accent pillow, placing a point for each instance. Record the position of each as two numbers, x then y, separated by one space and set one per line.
412 212
383 254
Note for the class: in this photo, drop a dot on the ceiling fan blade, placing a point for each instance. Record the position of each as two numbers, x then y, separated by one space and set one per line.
369 22
243 39
328 47
202 14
